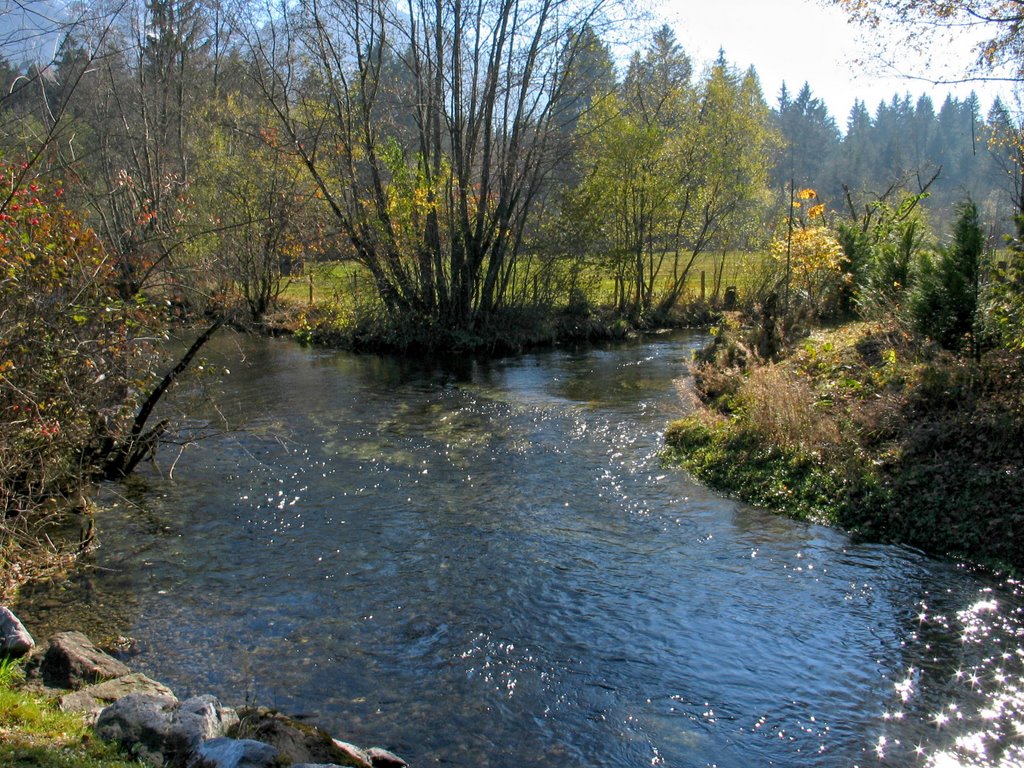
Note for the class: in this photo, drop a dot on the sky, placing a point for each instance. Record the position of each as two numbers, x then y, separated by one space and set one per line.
800 40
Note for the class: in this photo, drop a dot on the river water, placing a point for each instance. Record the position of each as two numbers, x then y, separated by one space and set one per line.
484 563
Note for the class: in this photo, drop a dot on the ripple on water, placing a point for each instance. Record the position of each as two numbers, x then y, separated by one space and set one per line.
485 563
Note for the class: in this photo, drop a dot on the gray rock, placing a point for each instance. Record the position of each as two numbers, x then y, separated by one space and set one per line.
161 731
234 753
15 640
141 722
213 719
93 698
381 758
72 661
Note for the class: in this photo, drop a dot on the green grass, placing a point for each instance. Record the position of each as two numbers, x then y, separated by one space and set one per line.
35 733
725 455
346 285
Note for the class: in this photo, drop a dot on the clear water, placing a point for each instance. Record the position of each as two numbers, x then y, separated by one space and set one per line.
484 563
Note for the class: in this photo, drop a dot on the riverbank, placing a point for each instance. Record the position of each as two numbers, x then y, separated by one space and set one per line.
74 705
508 331
864 427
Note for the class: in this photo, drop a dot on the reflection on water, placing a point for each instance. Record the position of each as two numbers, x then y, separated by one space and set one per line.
483 563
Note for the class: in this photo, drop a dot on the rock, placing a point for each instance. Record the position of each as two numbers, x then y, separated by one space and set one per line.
296 742
161 731
215 719
141 722
234 753
72 661
381 758
355 756
15 640
93 698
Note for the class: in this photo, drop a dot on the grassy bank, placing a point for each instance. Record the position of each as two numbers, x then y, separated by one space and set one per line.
336 304
34 732
862 427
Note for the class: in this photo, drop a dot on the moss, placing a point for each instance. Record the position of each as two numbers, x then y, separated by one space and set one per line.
797 483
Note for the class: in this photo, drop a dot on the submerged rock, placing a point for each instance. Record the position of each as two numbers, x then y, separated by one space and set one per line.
15 640
234 753
297 742
72 661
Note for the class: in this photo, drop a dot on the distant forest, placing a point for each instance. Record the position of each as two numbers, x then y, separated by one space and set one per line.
970 152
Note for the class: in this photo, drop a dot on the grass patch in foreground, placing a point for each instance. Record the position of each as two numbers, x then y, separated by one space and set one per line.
34 733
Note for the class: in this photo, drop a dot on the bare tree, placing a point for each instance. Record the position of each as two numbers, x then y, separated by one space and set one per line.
429 129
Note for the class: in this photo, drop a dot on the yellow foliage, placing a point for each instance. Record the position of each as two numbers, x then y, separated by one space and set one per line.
811 249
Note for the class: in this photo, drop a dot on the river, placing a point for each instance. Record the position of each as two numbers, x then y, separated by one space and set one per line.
484 563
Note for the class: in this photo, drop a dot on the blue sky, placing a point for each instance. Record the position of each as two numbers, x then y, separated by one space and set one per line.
798 40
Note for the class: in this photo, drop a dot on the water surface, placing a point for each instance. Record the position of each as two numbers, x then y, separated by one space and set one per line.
484 563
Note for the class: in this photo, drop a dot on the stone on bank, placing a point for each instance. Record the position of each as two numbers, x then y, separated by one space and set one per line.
150 723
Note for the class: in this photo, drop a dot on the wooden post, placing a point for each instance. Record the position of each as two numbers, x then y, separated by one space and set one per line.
311 287
702 284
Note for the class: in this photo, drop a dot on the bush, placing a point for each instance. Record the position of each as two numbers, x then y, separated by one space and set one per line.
944 302
71 365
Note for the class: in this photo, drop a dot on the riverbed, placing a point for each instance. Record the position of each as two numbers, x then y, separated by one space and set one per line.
485 563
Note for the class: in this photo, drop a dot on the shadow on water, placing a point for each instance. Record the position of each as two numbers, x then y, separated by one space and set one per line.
484 563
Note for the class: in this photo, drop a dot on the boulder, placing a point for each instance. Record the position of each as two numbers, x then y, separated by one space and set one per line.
93 698
296 742
141 722
72 661
161 731
381 758
234 753
15 640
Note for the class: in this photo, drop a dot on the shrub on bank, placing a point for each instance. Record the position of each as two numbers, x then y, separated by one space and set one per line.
865 428
74 362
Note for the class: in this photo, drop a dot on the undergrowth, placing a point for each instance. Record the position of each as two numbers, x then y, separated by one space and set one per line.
862 427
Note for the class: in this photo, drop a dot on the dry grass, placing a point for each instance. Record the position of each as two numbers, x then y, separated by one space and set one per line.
782 407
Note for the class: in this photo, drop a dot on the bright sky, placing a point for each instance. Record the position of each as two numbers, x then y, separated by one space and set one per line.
796 41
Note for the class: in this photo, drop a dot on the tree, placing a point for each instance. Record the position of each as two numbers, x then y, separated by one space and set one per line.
136 108
485 78
998 25
670 173
810 138
255 203
1006 149
944 303
71 353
